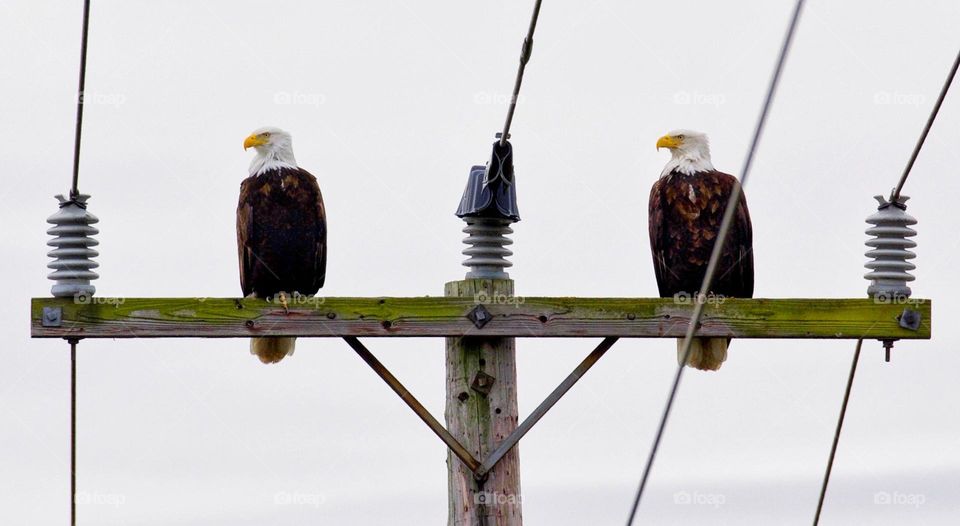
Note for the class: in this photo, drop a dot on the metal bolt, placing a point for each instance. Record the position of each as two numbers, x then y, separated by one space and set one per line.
482 383
887 346
910 320
480 316
52 317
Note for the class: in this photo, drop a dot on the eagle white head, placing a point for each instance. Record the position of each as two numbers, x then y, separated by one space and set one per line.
274 150
690 151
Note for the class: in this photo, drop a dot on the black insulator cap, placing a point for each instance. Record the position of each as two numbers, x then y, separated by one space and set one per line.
491 190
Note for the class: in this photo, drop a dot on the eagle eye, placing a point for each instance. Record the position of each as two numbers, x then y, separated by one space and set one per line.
680 137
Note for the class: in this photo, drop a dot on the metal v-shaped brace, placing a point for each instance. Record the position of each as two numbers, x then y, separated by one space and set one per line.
480 470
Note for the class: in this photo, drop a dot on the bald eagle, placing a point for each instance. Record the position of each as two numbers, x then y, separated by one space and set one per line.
687 204
281 232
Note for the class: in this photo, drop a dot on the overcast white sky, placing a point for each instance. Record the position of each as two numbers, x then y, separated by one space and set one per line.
389 103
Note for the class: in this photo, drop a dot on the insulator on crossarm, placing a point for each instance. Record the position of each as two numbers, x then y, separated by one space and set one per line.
72 265
889 250
487 253
489 207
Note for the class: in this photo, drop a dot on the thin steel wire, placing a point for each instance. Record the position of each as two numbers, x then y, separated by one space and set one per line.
73 432
525 53
74 190
715 254
926 128
836 434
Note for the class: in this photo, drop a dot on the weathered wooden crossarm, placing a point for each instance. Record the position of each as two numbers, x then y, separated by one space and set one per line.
446 316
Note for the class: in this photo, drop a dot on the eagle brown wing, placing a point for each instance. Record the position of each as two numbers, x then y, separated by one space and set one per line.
685 212
735 274
244 233
659 239
281 233
320 233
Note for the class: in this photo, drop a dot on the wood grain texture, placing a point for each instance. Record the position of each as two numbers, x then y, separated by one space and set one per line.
446 317
481 421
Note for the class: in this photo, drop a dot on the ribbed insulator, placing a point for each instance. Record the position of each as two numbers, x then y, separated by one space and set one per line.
72 254
890 250
487 254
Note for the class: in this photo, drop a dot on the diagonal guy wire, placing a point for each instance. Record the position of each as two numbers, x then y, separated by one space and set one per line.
715 254
926 128
836 434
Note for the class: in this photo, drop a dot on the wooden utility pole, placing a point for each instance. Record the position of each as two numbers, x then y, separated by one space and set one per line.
481 411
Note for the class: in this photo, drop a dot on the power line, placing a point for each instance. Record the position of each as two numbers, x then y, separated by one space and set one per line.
926 128
836 434
715 254
73 431
74 191
525 53
74 194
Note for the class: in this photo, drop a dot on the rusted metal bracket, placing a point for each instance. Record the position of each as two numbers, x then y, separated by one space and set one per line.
411 401
551 400
480 471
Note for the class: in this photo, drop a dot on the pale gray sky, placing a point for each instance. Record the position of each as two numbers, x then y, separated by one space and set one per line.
389 104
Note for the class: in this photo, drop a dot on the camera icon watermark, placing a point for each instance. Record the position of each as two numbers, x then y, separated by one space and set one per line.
91 98
896 498
494 498
891 98
487 97
686 298
497 298
685 98
297 498
697 498
85 298
297 299
297 98
896 298
96 498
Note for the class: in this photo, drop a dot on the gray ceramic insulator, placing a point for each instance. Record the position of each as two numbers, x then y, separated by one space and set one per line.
487 252
72 254
889 244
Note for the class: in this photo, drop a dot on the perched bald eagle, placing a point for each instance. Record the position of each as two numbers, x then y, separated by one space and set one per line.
281 231
687 204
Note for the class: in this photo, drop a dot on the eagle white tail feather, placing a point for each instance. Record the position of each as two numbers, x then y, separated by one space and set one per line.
706 354
272 349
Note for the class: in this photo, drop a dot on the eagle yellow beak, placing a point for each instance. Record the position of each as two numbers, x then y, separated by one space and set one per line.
253 140
668 142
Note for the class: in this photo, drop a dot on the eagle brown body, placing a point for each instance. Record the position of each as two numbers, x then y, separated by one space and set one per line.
282 244
281 233
685 214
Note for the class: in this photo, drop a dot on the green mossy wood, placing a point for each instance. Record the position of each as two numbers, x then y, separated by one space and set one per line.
446 316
